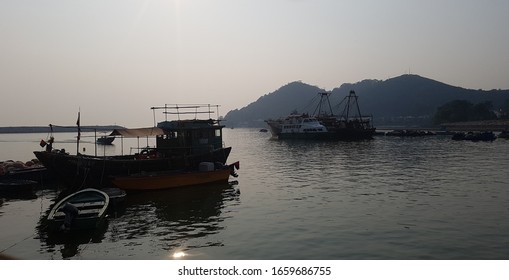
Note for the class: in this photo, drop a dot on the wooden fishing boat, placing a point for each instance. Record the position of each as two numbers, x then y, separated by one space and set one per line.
207 174
85 209
179 144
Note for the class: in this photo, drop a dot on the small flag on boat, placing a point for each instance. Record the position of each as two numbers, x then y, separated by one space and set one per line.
42 143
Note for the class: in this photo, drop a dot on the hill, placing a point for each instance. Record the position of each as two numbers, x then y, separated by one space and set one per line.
405 100
273 105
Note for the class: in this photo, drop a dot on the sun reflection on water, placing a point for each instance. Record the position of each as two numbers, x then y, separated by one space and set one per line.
178 255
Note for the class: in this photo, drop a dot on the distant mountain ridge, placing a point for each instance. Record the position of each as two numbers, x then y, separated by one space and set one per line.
403 100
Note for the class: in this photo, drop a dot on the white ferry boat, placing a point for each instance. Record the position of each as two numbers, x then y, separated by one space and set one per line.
297 127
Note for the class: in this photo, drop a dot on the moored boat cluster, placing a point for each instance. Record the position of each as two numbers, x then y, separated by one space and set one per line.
409 133
187 152
475 136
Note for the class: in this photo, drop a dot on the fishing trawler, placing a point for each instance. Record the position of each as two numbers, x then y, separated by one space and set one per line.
180 144
324 125
298 126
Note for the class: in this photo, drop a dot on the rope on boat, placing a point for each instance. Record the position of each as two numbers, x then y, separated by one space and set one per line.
87 170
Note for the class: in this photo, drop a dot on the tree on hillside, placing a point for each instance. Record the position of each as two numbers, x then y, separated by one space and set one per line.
462 111
483 111
454 111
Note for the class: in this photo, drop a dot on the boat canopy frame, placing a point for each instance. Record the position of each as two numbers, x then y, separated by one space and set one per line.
137 132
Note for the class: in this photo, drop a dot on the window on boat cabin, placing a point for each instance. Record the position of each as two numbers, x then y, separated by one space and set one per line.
292 126
218 132
171 135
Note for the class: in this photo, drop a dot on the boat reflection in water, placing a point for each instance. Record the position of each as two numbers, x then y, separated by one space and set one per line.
151 225
69 243
178 219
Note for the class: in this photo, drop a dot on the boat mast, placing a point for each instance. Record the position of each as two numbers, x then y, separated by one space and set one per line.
357 104
351 98
348 106
79 133
324 95
355 100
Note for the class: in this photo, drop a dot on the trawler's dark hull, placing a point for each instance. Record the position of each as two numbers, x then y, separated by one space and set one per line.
77 170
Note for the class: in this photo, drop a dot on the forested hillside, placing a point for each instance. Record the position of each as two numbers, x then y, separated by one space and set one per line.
404 100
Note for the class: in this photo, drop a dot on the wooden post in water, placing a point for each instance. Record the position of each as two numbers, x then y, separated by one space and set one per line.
79 134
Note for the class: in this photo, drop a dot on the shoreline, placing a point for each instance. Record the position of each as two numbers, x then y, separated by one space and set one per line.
56 129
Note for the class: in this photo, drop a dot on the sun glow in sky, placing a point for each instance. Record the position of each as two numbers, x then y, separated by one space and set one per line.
115 59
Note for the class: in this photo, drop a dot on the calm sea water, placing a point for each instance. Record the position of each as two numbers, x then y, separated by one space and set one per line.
390 198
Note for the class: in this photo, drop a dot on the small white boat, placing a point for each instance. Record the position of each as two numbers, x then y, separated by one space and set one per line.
105 140
84 209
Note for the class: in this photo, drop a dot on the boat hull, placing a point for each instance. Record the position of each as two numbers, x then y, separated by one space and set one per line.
38 174
334 132
168 180
83 169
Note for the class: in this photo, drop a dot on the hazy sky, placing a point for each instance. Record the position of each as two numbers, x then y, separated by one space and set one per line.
114 59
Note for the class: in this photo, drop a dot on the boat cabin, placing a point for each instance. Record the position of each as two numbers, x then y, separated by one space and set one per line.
188 137
302 124
179 137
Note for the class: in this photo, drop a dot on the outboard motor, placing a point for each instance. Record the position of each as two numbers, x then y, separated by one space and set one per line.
71 212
